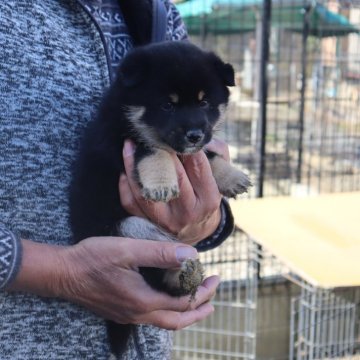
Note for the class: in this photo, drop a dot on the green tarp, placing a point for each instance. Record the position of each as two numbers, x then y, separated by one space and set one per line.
240 16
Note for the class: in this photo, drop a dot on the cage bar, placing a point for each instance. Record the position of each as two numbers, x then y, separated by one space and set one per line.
229 333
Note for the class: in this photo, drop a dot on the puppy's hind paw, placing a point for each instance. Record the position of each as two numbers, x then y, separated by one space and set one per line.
161 193
186 279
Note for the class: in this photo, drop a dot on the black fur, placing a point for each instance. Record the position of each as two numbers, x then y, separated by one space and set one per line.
147 77
138 18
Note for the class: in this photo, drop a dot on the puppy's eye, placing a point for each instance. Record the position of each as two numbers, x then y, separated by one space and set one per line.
204 104
169 106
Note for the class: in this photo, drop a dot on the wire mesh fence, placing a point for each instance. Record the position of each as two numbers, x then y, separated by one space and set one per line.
293 121
322 326
230 333
264 311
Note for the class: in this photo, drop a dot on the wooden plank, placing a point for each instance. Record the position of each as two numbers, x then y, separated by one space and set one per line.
316 237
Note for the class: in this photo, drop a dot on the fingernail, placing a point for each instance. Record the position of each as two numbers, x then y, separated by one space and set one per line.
185 252
129 148
211 309
207 309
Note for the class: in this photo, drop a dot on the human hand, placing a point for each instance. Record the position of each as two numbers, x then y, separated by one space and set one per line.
101 273
103 276
195 214
219 147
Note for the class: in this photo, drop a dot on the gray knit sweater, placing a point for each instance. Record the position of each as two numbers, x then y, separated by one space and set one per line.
53 72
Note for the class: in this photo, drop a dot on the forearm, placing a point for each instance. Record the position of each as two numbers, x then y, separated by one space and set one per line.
41 271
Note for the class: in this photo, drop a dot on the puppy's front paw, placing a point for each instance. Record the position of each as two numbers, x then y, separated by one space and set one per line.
185 280
157 176
163 193
230 180
235 183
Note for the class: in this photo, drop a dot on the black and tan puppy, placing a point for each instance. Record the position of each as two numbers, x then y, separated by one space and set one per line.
167 98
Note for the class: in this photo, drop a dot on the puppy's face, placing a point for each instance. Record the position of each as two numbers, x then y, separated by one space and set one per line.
174 95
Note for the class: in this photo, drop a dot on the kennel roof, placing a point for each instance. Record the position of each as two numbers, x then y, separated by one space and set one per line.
317 237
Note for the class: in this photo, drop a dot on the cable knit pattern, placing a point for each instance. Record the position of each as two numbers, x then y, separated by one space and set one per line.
108 15
10 256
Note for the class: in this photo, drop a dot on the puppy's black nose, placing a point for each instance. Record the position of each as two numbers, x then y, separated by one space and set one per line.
194 136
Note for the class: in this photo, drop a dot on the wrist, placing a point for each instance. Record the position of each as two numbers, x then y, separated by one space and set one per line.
191 236
223 231
41 271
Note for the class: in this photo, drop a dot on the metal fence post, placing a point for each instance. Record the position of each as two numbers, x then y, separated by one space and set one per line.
305 35
263 93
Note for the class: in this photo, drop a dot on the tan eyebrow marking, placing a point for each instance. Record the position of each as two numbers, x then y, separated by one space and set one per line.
174 98
201 95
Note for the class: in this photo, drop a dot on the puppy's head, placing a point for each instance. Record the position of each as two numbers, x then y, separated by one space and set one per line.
174 94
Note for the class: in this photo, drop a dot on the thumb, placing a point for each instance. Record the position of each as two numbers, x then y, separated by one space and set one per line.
163 255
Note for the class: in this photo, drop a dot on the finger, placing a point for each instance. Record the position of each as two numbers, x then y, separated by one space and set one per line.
187 194
211 283
128 157
172 320
219 147
127 199
164 255
205 293
199 172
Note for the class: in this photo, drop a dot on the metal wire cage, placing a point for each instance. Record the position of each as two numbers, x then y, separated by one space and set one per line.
293 123
293 120
229 333
264 311
319 324
322 326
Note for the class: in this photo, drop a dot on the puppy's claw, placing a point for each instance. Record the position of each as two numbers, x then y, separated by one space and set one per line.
236 183
161 193
235 190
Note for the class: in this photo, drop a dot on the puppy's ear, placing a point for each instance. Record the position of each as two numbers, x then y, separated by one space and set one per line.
225 71
133 69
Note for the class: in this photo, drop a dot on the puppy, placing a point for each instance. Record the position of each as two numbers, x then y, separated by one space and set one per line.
167 98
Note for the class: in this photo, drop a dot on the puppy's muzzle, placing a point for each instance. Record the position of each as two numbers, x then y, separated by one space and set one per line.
194 137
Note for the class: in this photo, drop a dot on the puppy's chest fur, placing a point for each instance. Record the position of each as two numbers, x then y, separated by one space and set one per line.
168 98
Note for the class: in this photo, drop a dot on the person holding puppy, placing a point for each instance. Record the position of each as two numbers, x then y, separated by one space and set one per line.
58 57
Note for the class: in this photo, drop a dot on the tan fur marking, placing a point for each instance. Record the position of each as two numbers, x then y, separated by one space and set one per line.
134 113
201 95
222 110
145 133
174 98
158 177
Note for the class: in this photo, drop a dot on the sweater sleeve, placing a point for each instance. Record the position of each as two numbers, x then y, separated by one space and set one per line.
176 29
223 231
10 256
